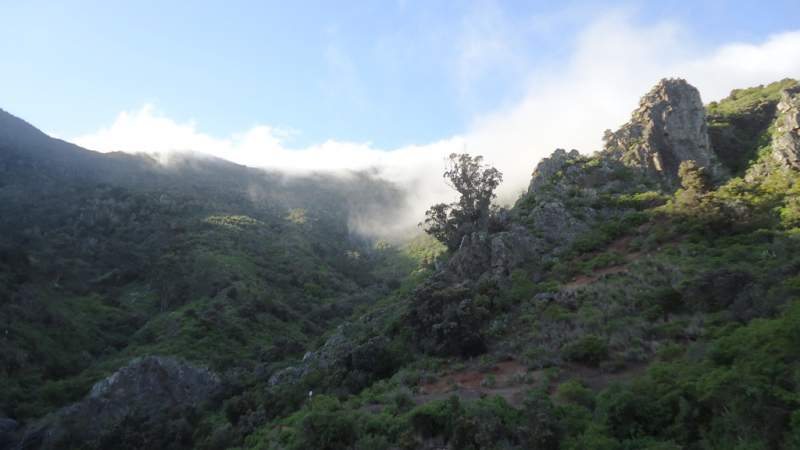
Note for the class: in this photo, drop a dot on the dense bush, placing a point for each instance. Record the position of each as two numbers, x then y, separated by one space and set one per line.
447 319
591 350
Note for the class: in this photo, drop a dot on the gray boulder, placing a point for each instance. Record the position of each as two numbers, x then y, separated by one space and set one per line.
786 143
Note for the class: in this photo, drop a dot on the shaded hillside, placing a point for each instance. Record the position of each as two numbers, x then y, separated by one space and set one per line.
104 257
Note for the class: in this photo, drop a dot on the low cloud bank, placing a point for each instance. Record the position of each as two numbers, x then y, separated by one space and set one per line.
613 63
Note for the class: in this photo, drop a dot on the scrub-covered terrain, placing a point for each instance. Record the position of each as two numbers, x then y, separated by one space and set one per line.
644 296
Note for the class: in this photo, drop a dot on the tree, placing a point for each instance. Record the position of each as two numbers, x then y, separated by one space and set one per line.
475 182
695 183
698 201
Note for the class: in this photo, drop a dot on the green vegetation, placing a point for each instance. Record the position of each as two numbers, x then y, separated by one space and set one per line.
740 394
475 184
738 125
642 318
589 350
327 423
744 101
242 272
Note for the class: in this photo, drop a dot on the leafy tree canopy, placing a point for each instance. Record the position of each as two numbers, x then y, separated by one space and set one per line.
476 183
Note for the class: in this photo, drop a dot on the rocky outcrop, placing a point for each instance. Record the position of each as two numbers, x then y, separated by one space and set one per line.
561 202
668 127
510 249
473 256
335 352
548 168
348 361
492 254
570 202
147 387
786 142
568 195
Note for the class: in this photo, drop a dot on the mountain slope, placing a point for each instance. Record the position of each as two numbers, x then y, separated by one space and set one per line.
645 296
624 304
105 257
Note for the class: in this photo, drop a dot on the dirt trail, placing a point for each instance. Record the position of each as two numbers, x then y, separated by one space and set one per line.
513 395
508 379
512 381
594 378
583 280
620 246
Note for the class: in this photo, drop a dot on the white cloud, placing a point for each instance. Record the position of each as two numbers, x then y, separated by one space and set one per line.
613 63
485 42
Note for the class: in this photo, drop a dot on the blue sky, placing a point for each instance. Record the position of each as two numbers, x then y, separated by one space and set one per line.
384 72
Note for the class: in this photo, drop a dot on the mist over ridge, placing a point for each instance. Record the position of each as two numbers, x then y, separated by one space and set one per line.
613 62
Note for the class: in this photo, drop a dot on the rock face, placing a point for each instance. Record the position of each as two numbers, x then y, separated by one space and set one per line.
786 143
547 169
510 249
551 180
559 203
146 387
147 383
668 127
473 257
348 362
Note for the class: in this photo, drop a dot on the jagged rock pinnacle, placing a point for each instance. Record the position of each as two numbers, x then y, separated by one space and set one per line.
668 127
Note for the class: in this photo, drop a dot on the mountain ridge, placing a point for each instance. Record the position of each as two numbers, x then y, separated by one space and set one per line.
645 296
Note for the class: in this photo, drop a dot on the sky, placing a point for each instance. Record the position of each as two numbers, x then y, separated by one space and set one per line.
390 85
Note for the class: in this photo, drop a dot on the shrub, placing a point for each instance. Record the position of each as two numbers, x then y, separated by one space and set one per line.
402 401
436 418
668 300
237 406
595 437
327 430
372 442
522 286
589 350
540 424
573 391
